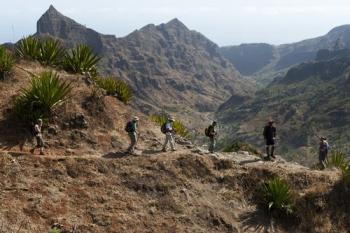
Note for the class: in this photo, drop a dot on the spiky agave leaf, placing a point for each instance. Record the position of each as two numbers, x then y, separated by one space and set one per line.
277 195
28 48
51 52
81 59
44 93
123 91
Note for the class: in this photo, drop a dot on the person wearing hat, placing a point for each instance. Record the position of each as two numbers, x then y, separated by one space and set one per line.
169 135
131 128
323 152
38 137
211 133
269 136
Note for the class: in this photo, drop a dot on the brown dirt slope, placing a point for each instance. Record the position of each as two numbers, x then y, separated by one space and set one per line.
86 182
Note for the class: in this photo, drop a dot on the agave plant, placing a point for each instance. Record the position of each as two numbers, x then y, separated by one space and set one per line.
6 62
46 91
81 60
28 48
51 52
277 195
178 126
337 159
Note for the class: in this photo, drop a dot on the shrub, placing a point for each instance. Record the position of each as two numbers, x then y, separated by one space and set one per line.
178 126
81 60
346 175
51 52
55 230
123 91
6 62
45 92
277 195
337 159
115 86
109 84
28 48
241 146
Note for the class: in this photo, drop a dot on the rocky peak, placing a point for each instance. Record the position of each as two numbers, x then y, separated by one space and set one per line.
176 24
55 24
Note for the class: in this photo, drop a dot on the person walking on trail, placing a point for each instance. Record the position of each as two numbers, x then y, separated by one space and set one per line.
211 133
131 128
323 152
168 130
39 137
270 136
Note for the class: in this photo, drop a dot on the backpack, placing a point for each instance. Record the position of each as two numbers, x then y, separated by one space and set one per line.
163 128
206 132
129 127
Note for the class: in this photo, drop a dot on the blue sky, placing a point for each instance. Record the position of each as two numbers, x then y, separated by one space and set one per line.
226 22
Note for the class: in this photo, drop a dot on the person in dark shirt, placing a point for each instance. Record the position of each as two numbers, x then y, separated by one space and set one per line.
269 136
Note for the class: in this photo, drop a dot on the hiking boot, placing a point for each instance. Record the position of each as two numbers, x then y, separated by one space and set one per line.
267 158
173 150
273 156
32 151
163 150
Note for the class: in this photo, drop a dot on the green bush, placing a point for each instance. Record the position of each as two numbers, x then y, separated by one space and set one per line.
6 62
81 60
336 159
115 86
55 230
51 52
241 146
28 48
45 92
346 175
178 126
277 195
123 91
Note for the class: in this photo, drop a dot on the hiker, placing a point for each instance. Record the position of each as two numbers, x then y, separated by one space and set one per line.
167 129
269 136
131 128
39 137
211 133
323 152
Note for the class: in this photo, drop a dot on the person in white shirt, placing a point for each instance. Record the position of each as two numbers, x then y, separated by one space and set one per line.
39 137
169 135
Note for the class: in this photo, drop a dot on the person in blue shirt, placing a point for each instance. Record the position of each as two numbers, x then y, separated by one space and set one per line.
169 135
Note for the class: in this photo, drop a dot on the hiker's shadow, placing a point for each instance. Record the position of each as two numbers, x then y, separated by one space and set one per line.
115 155
250 161
258 220
150 152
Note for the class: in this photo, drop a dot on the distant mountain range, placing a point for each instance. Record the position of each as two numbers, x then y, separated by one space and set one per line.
265 62
169 66
311 100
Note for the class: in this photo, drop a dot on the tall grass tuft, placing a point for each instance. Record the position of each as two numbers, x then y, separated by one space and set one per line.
178 126
123 91
337 159
45 92
277 195
114 86
28 48
81 60
51 52
6 62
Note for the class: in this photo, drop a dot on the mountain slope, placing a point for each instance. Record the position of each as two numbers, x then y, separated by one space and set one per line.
311 100
271 60
168 66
